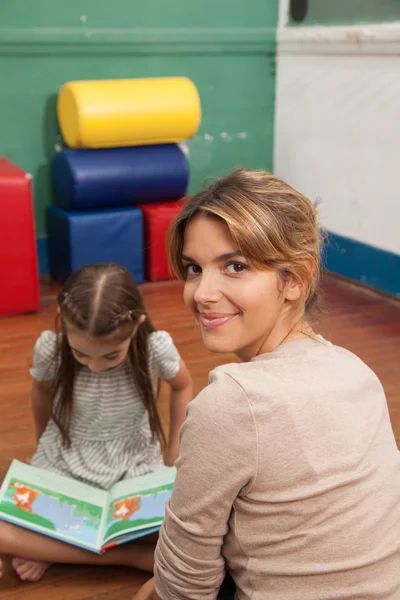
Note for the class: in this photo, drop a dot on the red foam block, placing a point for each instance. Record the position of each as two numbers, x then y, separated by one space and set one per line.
19 280
156 219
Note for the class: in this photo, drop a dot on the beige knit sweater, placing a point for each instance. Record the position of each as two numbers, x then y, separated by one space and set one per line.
289 476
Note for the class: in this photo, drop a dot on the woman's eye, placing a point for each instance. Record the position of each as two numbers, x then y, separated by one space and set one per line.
235 268
192 269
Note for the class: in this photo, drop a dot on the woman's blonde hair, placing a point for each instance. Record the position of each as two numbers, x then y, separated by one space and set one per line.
272 224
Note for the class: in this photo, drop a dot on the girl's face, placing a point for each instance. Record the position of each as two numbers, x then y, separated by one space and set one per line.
239 307
97 353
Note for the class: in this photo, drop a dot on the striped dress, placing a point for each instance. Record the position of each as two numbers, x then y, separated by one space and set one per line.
110 432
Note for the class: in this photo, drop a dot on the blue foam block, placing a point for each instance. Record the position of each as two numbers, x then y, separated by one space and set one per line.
119 176
78 238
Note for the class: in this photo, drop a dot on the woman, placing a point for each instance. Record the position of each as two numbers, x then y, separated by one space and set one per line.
289 474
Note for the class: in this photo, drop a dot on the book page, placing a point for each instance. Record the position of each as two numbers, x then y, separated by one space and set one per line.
53 505
138 503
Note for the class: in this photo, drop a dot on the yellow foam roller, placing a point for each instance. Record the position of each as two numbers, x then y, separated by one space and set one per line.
128 112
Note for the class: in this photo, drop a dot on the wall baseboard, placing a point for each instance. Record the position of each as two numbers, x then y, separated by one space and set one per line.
41 245
373 267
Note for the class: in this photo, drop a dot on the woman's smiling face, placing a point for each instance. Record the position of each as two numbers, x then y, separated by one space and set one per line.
238 305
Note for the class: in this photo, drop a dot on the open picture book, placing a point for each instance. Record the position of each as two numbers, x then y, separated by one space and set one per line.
83 515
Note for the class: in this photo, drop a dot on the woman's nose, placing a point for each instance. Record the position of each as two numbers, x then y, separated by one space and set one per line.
208 289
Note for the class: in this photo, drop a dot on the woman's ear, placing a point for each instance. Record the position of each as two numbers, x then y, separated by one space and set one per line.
293 288
294 284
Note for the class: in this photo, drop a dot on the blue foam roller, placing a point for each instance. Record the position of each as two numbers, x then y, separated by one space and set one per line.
84 179
79 238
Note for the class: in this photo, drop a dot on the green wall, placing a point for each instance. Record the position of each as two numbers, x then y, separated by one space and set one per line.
226 49
351 12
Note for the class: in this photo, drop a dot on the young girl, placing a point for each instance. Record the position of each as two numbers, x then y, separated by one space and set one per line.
289 473
94 403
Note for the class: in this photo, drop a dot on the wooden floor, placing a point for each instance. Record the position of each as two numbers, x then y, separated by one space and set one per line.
362 321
